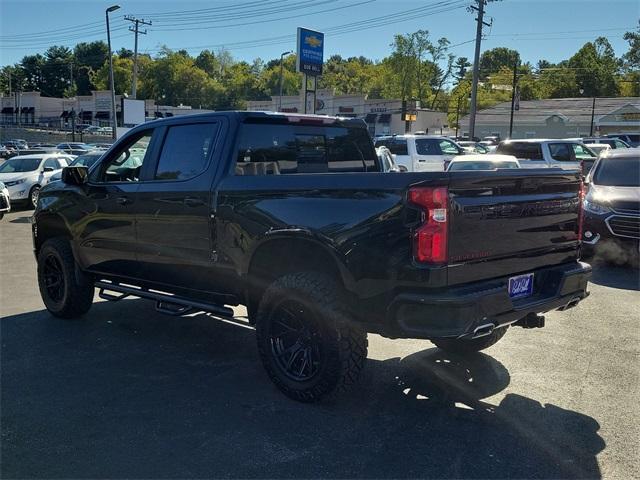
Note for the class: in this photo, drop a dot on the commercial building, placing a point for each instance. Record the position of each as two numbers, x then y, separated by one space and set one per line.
559 118
383 117
31 108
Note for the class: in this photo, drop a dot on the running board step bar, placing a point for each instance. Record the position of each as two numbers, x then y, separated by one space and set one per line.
165 303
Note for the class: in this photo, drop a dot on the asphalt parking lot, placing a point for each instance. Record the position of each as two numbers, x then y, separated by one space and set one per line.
128 392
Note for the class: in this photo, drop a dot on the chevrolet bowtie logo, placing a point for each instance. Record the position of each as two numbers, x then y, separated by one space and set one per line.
313 41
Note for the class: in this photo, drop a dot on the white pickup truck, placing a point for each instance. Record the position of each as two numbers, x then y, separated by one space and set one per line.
558 153
420 153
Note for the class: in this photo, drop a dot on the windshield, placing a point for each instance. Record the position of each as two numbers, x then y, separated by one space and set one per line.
483 165
618 172
84 160
15 165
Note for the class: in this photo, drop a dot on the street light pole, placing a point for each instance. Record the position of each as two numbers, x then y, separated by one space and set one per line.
282 55
593 111
114 122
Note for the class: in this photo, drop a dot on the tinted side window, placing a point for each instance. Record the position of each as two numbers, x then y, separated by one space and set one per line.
51 163
425 146
560 151
398 146
125 164
185 151
268 149
526 150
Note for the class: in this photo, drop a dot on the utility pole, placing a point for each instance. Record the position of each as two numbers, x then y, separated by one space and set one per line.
476 65
514 86
282 55
457 117
136 30
593 112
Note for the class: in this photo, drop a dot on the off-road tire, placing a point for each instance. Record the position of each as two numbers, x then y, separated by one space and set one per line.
74 298
344 346
462 347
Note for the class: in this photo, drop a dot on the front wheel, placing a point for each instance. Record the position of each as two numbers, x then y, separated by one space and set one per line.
305 340
463 346
34 194
66 291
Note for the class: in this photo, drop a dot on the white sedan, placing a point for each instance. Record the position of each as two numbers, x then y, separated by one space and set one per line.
24 175
489 161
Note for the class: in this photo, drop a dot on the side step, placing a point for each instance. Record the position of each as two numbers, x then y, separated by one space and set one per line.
165 303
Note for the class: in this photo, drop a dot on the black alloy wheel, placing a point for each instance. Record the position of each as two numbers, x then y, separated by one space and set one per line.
54 278
295 340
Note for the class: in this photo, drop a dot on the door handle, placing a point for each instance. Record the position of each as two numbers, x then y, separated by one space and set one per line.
193 202
123 201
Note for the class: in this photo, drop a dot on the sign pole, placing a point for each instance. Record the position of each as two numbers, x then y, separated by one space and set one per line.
310 56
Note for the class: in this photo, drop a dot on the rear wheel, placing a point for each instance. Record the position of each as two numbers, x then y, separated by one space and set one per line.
306 343
65 290
462 346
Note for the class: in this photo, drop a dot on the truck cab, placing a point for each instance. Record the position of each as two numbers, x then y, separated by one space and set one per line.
549 153
421 153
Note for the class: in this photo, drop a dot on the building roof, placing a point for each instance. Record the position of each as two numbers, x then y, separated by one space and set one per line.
570 110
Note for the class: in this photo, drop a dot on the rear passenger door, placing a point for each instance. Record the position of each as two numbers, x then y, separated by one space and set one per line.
174 214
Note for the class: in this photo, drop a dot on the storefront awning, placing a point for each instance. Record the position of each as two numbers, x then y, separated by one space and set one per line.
384 118
65 114
168 114
31 110
370 118
102 115
86 114
159 115
7 110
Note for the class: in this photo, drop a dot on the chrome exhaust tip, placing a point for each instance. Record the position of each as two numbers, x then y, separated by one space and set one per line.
483 330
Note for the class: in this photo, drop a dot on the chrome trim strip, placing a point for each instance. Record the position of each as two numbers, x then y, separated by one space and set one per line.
621 216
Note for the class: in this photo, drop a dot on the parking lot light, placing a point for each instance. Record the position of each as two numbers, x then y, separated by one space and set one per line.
112 8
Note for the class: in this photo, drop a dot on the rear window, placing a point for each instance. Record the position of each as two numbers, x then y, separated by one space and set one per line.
396 145
618 172
481 165
268 149
526 150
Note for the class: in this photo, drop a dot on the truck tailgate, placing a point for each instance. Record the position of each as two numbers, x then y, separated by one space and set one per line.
511 222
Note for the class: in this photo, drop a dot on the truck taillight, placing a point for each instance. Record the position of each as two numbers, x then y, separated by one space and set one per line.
581 196
430 238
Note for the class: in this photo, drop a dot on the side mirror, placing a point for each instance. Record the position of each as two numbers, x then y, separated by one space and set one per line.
48 169
75 175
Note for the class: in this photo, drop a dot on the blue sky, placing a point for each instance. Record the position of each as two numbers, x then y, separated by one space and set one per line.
549 29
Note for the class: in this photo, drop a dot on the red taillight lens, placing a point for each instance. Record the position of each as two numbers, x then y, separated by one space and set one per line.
581 195
430 239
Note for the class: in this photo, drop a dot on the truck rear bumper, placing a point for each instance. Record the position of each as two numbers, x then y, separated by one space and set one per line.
460 311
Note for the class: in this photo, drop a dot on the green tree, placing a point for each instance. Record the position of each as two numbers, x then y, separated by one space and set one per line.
595 68
631 59
122 75
491 61
89 58
57 72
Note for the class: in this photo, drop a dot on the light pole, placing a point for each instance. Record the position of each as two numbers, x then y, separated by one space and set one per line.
114 123
282 55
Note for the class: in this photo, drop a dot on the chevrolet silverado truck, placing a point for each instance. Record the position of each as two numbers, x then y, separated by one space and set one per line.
291 216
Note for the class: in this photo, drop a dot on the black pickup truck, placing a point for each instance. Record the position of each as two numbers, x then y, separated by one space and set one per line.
291 216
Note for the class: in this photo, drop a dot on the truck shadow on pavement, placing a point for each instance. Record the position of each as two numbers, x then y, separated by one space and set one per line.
131 393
